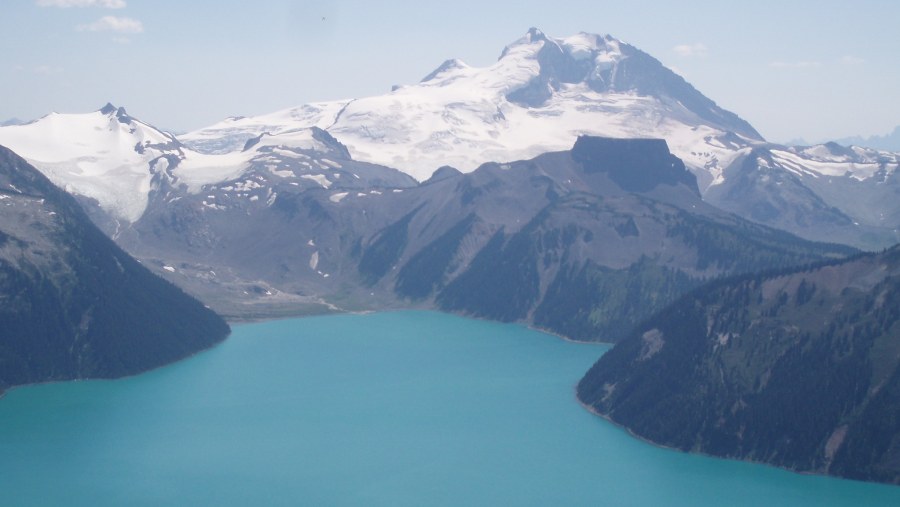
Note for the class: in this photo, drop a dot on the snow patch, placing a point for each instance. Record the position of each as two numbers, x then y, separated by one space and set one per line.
284 174
822 166
321 179
337 197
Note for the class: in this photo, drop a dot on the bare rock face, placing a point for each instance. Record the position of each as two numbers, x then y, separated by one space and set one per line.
635 165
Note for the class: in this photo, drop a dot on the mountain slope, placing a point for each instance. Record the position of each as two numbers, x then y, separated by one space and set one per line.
74 304
826 192
607 234
507 241
799 369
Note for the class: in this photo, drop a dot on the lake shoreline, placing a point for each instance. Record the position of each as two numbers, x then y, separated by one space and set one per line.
9 389
332 309
634 435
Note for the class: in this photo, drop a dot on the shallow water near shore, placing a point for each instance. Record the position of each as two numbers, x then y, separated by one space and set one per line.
405 408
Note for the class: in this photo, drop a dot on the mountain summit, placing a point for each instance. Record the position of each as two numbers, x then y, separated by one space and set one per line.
607 65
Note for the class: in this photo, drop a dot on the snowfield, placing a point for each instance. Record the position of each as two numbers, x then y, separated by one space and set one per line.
117 160
95 155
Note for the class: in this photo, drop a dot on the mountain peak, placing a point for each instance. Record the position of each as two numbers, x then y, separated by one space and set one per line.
109 110
534 34
531 38
605 65
579 46
448 66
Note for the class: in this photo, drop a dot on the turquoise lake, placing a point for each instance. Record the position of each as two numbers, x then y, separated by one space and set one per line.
407 408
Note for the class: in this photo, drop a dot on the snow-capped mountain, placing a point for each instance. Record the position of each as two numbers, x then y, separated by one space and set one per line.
825 192
120 163
106 155
540 95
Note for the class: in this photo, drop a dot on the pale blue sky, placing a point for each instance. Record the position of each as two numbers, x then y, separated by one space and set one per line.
811 69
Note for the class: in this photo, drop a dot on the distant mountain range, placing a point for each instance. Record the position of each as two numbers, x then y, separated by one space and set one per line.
799 369
887 142
74 305
539 96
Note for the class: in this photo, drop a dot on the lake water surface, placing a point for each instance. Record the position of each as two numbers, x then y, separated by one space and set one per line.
407 408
